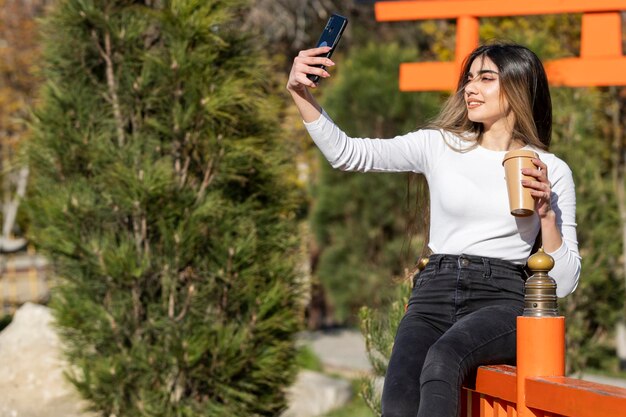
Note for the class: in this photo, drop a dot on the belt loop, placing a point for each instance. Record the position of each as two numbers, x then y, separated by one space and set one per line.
438 263
487 266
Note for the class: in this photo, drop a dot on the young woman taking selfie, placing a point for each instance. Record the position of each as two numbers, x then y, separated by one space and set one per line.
464 303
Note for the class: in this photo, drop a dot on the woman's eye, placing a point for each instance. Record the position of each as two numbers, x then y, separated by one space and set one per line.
487 78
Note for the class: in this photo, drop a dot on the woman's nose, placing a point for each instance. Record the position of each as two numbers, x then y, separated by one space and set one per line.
470 88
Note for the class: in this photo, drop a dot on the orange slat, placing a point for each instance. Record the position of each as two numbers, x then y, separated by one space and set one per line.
499 408
422 10
511 411
486 407
574 397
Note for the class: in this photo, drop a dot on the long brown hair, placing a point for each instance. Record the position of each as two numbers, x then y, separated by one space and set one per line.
523 83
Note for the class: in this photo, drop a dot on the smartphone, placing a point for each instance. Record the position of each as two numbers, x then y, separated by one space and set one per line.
330 37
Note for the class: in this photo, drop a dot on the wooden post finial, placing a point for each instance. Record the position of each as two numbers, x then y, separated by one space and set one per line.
540 292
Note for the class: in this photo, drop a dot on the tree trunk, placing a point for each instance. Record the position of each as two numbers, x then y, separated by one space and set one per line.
9 212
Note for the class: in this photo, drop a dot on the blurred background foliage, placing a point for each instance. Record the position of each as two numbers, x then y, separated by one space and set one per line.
355 228
360 221
19 78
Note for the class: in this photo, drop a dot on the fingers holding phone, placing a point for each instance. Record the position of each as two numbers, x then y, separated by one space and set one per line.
312 63
330 37
309 64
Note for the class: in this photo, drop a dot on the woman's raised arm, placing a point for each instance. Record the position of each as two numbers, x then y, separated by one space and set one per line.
298 84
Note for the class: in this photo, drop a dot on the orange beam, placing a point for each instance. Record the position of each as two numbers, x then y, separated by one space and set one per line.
578 72
601 35
428 76
466 38
574 397
567 72
451 9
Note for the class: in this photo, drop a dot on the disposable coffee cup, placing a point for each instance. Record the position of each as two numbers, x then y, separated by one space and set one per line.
521 202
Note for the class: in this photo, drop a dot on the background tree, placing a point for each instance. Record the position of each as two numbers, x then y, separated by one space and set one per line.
158 192
292 25
361 220
19 56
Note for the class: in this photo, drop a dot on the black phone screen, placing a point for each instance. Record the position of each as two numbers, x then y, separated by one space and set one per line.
330 37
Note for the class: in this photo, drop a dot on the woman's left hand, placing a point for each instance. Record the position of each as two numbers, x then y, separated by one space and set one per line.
540 187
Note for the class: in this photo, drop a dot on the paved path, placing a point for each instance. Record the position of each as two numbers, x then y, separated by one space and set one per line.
343 351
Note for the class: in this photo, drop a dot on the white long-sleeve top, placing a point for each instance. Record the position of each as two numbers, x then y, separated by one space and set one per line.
468 197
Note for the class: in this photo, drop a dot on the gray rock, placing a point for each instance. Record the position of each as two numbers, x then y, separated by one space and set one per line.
315 394
31 368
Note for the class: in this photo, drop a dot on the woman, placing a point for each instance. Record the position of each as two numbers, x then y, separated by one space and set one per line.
463 306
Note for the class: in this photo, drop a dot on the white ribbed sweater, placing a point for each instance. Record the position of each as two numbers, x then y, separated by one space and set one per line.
468 197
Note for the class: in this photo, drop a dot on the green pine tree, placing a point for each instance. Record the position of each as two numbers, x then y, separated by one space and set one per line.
158 192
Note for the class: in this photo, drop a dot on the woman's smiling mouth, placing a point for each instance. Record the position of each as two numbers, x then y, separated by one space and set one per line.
472 104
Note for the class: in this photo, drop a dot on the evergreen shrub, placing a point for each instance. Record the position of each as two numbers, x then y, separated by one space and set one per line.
158 192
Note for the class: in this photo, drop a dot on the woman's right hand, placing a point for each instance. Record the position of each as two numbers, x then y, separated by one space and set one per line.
303 65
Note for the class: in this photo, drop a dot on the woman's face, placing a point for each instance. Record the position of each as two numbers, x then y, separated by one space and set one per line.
482 95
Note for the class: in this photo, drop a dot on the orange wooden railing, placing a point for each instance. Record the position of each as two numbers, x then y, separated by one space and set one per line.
495 395
537 387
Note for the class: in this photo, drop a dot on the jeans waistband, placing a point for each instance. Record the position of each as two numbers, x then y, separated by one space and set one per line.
482 263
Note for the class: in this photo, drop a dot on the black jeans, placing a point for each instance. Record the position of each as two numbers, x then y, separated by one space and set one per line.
461 314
